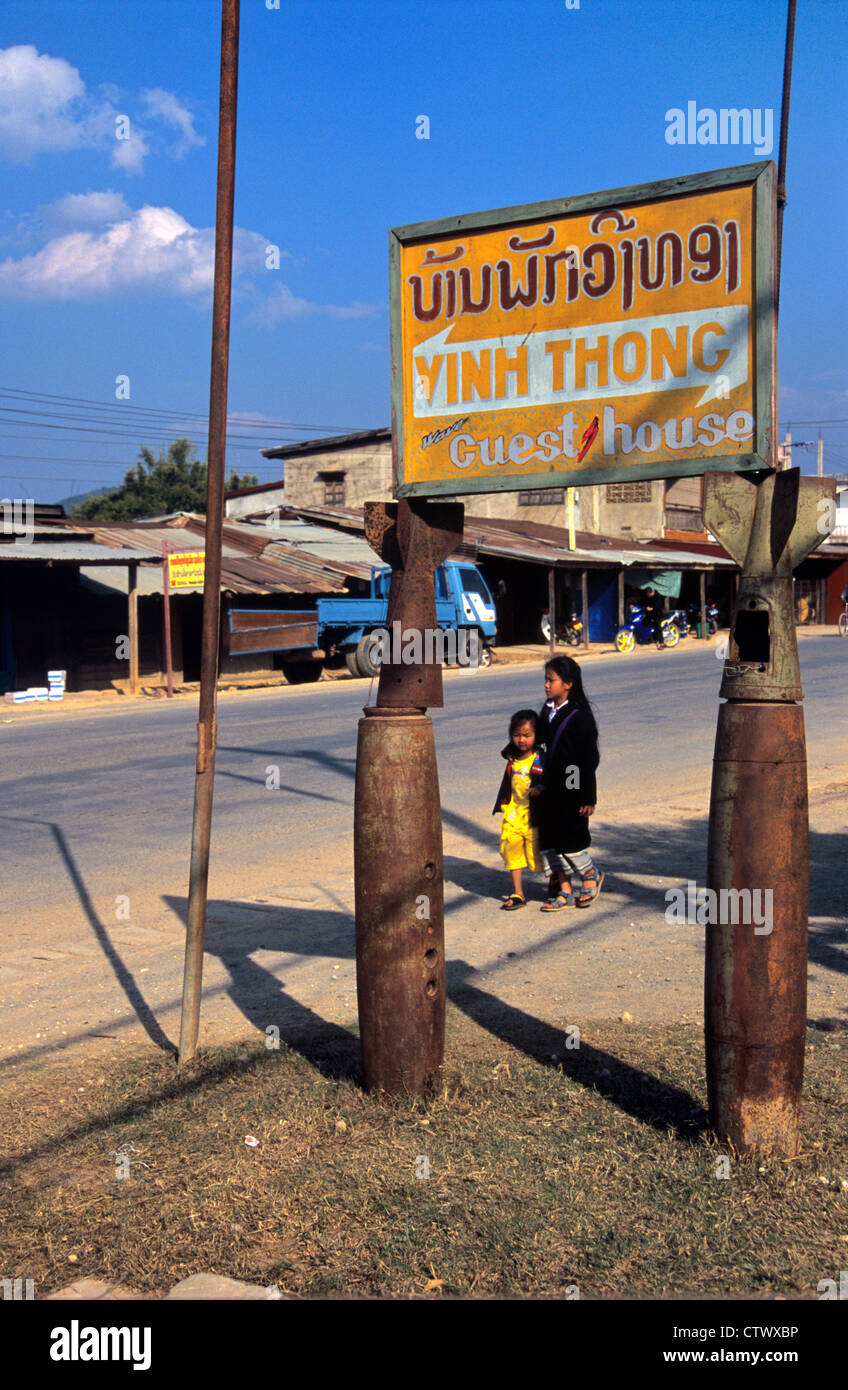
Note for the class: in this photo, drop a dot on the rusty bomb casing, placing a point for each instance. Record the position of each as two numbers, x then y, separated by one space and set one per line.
400 946
399 889
755 983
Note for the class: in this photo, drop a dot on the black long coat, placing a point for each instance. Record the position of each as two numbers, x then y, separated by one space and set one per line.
574 760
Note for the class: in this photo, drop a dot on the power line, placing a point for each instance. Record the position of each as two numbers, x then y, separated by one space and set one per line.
245 420
101 463
11 477
134 432
793 421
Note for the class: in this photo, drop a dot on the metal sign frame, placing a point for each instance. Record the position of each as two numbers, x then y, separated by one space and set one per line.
760 178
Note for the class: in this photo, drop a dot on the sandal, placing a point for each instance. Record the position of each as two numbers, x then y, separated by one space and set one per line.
557 904
513 903
593 881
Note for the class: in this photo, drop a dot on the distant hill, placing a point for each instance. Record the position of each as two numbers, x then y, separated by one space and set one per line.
70 502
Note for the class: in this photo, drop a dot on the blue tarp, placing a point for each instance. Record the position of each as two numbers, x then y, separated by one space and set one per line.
603 605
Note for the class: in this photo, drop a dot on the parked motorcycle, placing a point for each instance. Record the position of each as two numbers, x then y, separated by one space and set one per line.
570 632
640 631
693 613
681 621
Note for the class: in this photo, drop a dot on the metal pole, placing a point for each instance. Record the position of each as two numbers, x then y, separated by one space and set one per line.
206 730
621 598
820 457
570 517
584 595
166 621
784 135
703 578
132 604
552 607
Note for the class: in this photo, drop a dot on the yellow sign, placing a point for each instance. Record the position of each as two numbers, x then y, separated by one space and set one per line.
186 569
595 341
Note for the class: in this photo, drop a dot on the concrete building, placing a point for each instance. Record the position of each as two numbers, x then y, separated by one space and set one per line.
348 470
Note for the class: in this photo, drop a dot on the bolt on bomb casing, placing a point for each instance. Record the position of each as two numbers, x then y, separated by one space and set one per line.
756 981
399 891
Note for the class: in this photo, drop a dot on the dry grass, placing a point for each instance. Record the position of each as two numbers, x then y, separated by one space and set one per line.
593 1169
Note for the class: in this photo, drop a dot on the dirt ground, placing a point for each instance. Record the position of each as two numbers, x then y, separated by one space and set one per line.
284 955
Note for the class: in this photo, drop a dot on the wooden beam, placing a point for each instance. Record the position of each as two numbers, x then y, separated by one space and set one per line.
552 607
132 605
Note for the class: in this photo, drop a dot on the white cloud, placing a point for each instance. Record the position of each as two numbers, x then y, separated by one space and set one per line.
100 247
167 107
282 304
128 153
37 94
155 248
45 108
84 208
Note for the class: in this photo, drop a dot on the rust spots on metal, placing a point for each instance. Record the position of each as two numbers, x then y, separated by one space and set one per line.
400 954
755 980
414 537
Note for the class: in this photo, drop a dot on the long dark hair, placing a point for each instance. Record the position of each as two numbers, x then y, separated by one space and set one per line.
568 671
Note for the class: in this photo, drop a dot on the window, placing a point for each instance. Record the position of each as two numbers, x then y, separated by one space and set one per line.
542 497
334 488
473 583
684 519
629 492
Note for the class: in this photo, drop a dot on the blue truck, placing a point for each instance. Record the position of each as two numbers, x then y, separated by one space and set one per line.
352 629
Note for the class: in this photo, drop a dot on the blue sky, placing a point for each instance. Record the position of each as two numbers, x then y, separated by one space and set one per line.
106 243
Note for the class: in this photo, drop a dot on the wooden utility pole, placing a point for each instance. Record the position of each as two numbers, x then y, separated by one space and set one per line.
206 726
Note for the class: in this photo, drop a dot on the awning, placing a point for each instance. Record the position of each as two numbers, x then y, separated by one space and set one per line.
666 582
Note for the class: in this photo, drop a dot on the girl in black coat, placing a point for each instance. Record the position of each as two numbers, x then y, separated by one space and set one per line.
568 794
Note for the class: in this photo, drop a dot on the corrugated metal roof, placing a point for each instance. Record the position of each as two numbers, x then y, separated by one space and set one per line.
74 553
115 577
245 569
321 446
540 544
340 551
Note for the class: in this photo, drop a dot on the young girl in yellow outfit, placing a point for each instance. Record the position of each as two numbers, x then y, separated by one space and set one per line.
519 847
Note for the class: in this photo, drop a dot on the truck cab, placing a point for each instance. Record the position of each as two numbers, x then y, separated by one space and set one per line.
348 628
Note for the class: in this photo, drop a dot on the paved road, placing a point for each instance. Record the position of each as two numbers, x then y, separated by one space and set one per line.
96 811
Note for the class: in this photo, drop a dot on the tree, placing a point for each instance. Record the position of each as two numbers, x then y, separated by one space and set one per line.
173 482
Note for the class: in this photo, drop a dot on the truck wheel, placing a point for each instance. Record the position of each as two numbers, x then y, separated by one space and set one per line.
486 657
351 662
364 660
302 672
